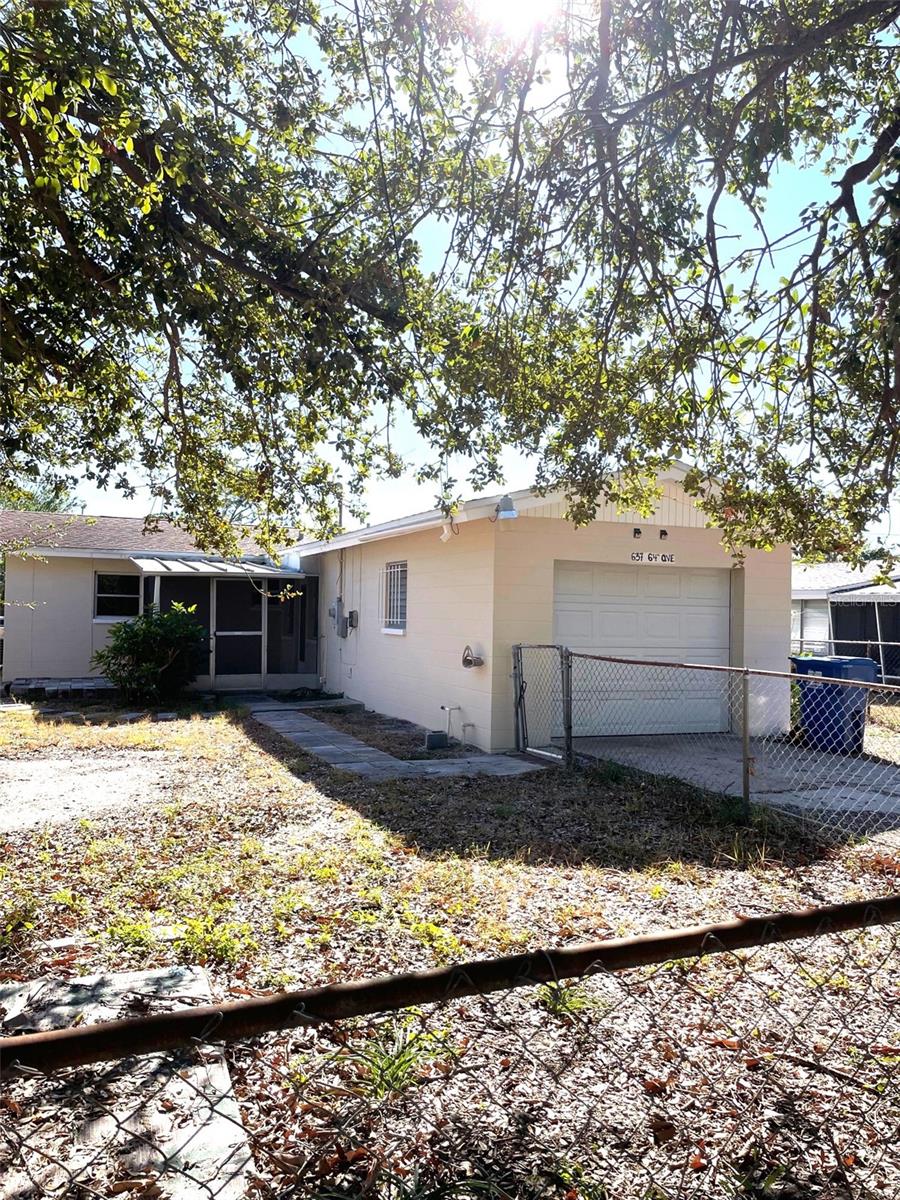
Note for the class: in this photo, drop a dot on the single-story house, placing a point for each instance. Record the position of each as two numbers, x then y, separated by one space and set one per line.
838 609
69 579
419 615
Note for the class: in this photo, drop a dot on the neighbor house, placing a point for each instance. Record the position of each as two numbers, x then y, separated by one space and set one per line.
839 609
418 616
69 579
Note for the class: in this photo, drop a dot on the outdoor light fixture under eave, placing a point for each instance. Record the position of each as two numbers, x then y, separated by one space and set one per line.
506 510
448 529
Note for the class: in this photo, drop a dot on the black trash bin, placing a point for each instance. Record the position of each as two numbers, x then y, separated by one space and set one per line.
833 715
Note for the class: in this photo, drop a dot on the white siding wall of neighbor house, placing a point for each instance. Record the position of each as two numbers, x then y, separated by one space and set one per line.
493 585
809 625
49 624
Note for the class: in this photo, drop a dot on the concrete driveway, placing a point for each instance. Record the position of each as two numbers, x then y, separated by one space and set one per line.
862 790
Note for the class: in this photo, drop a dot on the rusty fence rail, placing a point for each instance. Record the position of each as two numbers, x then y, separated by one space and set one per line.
755 1058
81 1045
825 750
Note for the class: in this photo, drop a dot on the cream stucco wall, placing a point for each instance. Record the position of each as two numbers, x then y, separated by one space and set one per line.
49 626
492 586
449 606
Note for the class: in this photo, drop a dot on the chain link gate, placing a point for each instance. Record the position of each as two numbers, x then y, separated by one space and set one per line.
542 679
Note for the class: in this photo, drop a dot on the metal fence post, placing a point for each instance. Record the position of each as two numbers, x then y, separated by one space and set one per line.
518 697
565 662
745 731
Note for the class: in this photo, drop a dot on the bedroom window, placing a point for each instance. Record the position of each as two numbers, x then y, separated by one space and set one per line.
395 597
117 595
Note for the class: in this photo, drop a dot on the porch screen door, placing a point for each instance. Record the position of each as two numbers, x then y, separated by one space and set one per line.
239 640
192 593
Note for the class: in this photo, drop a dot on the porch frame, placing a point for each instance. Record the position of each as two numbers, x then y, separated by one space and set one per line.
261 578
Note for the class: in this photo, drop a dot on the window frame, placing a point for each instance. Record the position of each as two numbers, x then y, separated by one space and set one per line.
395 598
98 595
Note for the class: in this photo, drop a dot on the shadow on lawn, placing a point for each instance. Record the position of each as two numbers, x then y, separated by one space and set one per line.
608 815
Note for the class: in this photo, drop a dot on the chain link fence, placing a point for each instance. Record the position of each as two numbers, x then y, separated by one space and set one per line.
751 1059
885 654
826 750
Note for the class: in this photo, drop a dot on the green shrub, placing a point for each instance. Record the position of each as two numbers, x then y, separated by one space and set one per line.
132 933
154 656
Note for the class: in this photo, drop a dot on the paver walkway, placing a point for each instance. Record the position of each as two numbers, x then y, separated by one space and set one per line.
348 753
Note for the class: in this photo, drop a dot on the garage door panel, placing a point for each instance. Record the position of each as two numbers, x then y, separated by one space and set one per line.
575 626
705 627
707 585
614 583
615 626
661 583
598 679
654 612
575 579
640 715
702 658
661 630
683 629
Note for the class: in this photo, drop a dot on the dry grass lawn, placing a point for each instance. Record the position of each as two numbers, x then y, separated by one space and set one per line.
275 871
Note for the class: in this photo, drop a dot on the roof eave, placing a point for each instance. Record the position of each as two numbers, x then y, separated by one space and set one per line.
36 551
477 509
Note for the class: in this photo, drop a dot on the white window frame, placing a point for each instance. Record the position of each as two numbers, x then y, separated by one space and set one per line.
98 594
394 598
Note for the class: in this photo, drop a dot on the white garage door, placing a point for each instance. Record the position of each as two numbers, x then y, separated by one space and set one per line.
644 611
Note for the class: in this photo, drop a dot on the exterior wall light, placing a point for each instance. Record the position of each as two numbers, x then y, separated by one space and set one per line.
636 533
663 534
470 659
506 510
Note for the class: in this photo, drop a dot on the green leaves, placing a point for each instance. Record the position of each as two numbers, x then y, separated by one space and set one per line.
244 241
154 656
107 82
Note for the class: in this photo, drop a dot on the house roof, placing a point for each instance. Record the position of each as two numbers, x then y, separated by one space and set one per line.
882 592
70 532
470 510
818 581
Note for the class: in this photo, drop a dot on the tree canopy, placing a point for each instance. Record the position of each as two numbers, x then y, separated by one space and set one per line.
34 496
243 238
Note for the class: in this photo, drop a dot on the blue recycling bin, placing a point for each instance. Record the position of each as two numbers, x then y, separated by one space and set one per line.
833 715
